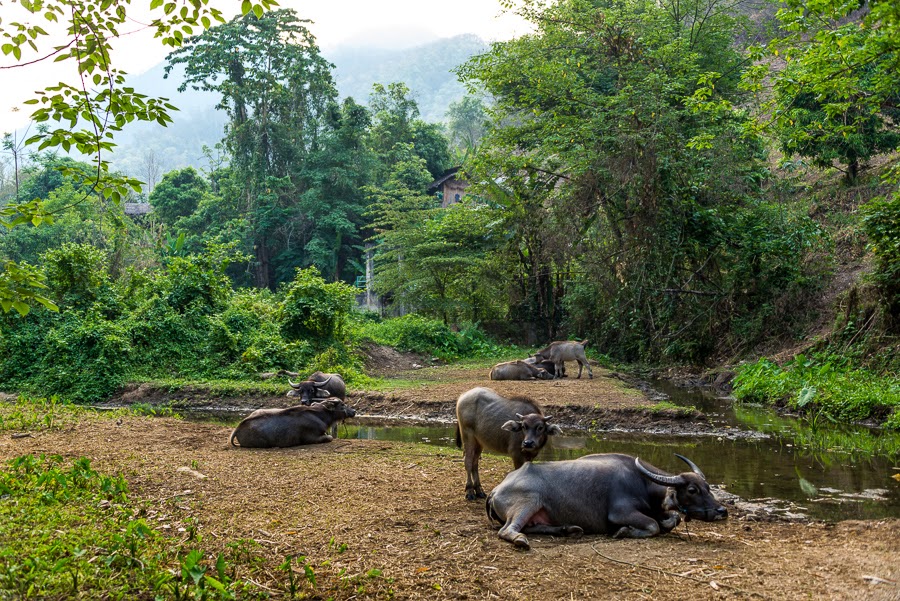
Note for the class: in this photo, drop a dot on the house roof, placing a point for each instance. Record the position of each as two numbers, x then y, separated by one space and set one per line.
448 174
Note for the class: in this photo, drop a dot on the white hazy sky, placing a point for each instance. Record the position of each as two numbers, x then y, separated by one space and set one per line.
334 22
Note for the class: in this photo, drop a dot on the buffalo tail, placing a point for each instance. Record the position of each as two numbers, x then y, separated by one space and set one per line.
458 437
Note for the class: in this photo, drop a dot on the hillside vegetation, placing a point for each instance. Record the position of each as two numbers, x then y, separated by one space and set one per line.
641 175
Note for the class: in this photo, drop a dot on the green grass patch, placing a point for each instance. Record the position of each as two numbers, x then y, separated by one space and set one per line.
71 532
824 385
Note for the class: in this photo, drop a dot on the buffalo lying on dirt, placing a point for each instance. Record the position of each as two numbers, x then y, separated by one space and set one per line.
290 427
485 420
319 386
561 351
599 494
519 370
547 366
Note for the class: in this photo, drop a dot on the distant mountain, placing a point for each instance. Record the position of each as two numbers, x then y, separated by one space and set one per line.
425 69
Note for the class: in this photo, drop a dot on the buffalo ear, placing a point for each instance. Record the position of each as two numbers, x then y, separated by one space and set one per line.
512 426
554 429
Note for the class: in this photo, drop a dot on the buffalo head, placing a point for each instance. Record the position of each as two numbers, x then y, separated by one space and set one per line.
535 430
689 492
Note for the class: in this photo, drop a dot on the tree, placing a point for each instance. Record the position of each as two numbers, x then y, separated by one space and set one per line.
334 203
89 112
178 195
396 122
618 184
276 88
150 165
467 123
427 258
837 95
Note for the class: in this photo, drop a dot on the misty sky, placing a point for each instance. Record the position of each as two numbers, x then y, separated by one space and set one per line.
385 23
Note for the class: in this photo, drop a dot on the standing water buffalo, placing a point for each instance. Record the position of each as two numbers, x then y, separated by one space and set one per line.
515 427
599 494
519 370
318 386
290 427
562 351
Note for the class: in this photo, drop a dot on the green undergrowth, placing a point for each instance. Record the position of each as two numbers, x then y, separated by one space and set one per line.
72 532
822 385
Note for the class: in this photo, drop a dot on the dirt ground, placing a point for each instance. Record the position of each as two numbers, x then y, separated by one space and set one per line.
392 517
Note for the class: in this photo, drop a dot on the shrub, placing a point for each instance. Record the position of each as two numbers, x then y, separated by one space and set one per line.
313 309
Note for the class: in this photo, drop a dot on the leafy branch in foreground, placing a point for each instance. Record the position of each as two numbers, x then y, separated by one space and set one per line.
94 103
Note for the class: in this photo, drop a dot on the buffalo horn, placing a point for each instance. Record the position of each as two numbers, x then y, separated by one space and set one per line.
292 384
323 383
520 416
658 478
692 465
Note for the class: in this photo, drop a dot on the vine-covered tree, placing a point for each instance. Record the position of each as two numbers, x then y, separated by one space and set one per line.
276 88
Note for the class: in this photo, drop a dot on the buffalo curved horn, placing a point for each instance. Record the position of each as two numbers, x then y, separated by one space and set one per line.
547 418
658 478
520 416
295 386
692 465
322 383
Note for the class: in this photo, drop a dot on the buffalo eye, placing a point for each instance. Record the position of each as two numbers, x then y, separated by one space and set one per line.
692 489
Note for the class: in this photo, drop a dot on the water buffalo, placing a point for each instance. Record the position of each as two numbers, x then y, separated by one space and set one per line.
561 351
599 494
547 366
516 427
318 386
519 370
290 427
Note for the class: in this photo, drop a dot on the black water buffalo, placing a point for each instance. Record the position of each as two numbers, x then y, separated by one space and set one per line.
318 386
546 365
290 427
519 370
566 350
485 420
599 494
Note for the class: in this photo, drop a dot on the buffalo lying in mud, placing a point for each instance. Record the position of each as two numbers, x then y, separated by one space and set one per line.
485 420
561 351
290 427
599 494
319 386
519 370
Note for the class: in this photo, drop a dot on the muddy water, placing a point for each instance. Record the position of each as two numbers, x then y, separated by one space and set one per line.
790 467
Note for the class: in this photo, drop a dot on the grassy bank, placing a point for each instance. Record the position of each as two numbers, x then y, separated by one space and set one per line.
822 386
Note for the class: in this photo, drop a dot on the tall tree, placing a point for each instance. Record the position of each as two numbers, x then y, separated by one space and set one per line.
275 87
334 203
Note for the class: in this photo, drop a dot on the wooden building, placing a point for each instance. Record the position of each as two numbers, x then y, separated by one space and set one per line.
451 185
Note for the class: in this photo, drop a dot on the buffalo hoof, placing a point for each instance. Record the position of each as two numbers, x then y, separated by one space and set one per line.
574 531
521 542
472 496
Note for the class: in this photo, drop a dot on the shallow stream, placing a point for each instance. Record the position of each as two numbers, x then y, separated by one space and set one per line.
788 466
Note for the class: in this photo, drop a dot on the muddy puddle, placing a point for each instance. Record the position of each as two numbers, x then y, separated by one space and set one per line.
779 467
